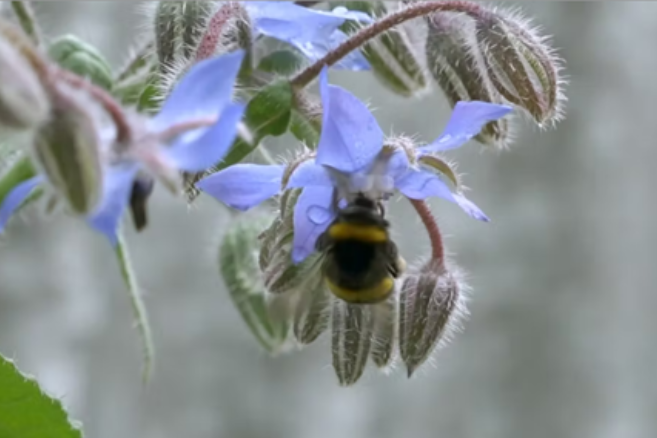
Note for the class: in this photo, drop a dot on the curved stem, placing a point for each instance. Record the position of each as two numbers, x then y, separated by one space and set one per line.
429 221
411 11
138 307
113 108
25 15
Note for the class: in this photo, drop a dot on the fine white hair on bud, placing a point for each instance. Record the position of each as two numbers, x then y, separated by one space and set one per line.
24 103
458 67
384 336
432 303
522 65
352 326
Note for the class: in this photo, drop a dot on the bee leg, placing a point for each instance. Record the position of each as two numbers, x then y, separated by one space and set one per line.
397 264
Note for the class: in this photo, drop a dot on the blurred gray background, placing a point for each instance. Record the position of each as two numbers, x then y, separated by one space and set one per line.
562 340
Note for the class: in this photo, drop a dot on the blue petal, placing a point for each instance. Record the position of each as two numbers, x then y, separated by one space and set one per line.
210 148
313 213
307 174
16 197
117 186
293 23
419 184
204 91
467 120
351 137
398 164
243 186
315 50
352 15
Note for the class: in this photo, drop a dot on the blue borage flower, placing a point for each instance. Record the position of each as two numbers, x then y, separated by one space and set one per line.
313 32
166 144
350 144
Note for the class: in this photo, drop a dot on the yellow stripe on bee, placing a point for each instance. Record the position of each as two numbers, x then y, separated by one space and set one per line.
363 233
370 295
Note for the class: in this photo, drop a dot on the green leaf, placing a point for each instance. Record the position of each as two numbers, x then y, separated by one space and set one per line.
238 265
81 58
281 62
26 412
267 113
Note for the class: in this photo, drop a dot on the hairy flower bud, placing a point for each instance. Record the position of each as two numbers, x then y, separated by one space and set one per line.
67 149
238 265
521 66
24 103
394 56
458 68
431 303
352 327
178 29
385 331
312 313
81 58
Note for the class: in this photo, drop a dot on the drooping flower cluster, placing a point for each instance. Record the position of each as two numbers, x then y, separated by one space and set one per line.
209 86
351 157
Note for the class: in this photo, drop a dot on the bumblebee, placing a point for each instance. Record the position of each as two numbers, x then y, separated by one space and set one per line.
360 262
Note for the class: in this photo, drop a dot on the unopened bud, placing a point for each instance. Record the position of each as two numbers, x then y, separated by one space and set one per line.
227 29
24 103
178 29
521 66
352 326
385 331
430 304
313 310
458 68
393 56
81 58
67 149
238 265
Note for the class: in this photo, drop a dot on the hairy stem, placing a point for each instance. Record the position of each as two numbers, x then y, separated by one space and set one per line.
138 307
113 108
429 221
409 12
25 15
215 28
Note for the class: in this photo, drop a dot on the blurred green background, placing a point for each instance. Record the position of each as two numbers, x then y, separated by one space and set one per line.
561 341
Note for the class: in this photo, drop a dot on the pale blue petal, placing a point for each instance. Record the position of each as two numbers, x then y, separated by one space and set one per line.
397 164
117 186
309 173
466 121
418 184
243 186
210 148
203 92
351 137
352 15
315 50
16 197
292 23
313 213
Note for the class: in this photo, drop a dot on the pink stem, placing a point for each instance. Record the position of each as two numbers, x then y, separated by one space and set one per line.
429 221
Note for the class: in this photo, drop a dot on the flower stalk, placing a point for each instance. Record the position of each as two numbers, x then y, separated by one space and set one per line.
410 12
429 222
